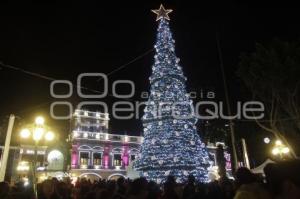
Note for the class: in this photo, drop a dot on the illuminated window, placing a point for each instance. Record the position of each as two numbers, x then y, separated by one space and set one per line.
75 134
117 160
97 159
28 151
84 158
76 112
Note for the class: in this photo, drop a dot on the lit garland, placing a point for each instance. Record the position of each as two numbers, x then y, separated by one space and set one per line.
171 145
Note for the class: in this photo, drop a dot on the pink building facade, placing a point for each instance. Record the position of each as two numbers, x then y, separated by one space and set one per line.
96 153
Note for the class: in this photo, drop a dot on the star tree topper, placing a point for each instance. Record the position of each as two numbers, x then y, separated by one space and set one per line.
162 13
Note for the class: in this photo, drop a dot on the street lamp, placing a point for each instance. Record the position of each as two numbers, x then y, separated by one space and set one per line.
37 133
280 149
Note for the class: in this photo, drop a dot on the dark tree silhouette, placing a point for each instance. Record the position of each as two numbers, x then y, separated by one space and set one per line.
272 75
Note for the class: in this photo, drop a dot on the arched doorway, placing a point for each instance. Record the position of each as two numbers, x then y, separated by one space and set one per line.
115 176
91 176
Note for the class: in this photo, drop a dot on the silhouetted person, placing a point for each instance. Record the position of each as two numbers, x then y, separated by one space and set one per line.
248 186
214 191
283 179
153 190
121 189
48 190
227 188
169 189
4 190
138 189
190 188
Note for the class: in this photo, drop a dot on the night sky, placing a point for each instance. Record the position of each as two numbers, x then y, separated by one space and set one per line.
63 40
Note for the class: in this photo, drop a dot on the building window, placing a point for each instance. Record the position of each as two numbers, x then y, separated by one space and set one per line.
75 134
85 135
117 160
97 159
133 139
30 158
116 138
84 158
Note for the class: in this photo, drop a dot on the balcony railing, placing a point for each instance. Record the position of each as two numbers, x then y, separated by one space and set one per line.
107 137
90 114
100 167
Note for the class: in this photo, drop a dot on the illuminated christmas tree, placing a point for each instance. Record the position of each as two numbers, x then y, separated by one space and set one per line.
171 144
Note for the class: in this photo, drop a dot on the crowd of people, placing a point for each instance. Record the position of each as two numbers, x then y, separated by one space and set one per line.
281 181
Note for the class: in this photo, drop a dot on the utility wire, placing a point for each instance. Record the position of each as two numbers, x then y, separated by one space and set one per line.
82 87
130 62
27 72
39 75
281 119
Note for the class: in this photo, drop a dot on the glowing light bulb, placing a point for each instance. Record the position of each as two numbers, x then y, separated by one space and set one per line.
39 120
278 142
285 150
275 151
49 136
267 140
25 133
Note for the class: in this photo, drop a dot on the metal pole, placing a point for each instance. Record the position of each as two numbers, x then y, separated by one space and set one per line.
6 147
34 181
232 134
245 154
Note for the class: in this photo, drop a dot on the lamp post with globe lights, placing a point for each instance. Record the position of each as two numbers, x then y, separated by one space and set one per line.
280 149
36 132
